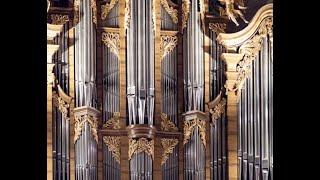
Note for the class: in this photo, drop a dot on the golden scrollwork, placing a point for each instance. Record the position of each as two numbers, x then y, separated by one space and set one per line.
76 5
173 13
185 13
80 121
112 41
167 44
141 145
113 144
93 5
250 49
114 122
218 110
167 124
127 14
105 9
217 27
168 145
61 105
59 19
189 126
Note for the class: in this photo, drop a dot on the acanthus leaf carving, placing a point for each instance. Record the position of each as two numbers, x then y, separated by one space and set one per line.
61 105
218 27
79 124
59 19
105 9
127 14
173 13
185 13
114 122
93 5
167 124
113 144
167 44
141 145
189 126
168 145
112 41
218 110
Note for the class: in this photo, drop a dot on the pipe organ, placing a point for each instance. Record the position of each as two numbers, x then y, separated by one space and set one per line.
158 89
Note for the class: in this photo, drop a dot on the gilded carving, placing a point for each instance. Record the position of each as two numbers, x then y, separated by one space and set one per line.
250 49
114 122
93 6
112 41
79 124
76 5
113 144
233 13
59 19
105 9
61 105
170 10
217 27
189 126
168 145
127 14
167 44
218 110
167 124
185 13
141 145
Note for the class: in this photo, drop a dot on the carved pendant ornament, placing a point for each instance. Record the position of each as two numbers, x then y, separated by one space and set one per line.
189 126
168 145
167 44
127 16
93 5
112 41
141 145
114 122
61 105
185 13
250 49
105 9
113 144
167 124
173 13
80 121
218 110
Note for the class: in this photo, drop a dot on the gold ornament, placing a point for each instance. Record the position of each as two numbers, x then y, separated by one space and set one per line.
168 146
113 144
139 146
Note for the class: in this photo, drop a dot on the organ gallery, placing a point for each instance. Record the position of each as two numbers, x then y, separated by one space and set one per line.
159 89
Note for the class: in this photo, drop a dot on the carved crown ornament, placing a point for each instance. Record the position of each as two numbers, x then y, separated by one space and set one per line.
140 145
168 145
218 27
190 125
85 115
114 122
59 19
167 44
113 144
173 13
167 124
105 9
112 41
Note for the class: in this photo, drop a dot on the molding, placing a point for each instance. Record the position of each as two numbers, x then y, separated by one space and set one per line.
139 146
82 115
105 9
168 145
170 10
113 144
